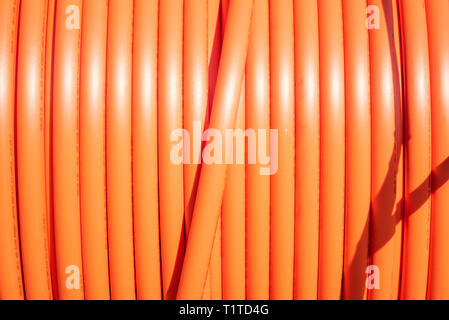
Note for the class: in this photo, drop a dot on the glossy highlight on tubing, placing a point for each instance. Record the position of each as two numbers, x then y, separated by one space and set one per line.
307 152
144 126
65 143
11 283
119 150
358 149
417 120
332 149
258 187
387 152
92 150
171 193
282 184
30 145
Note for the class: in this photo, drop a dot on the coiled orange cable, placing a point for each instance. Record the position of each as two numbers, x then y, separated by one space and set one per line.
387 151
92 150
66 150
282 182
145 175
415 254
307 165
232 223
258 186
332 149
48 138
438 27
11 286
358 149
214 35
118 150
31 145
171 193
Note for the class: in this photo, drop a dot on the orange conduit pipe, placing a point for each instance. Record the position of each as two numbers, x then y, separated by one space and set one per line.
233 215
233 206
145 174
48 137
282 184
214 40
358 149
118 150
111 187
196 71
438 31
195 102
387 152
213 289
11 285
171 193
307 165
30 145
332 149
66 152
415 254
215 266
224 114
214 34
257 185
92 150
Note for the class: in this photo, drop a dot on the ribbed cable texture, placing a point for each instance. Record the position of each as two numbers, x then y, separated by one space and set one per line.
224 149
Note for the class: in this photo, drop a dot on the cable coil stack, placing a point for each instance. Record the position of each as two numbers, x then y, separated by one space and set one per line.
224 149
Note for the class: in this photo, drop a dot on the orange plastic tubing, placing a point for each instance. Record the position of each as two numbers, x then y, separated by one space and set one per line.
65 150
215 266
233 218
196 97
233 208
170 119
145 175
332 150
214 30
214 37
415 252
213 289
171 193
224 115
438 30
30 145
214 34
48 138
118 150
358 149
257 185
11 287
48 108
307 149
282 119
92 150
214 276
387 150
